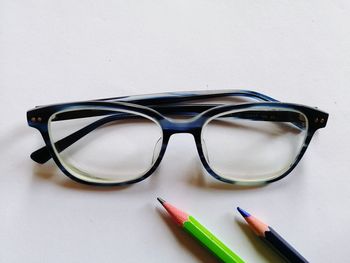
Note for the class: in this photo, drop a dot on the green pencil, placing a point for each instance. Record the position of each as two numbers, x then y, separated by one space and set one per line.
202 234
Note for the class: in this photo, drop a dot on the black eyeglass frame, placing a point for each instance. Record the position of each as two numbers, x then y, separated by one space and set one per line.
156 106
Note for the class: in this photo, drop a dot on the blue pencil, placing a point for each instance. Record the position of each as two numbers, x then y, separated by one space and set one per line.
273 238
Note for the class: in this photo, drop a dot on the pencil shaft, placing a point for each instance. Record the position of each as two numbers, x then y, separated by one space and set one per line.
283 247
210 241
273 238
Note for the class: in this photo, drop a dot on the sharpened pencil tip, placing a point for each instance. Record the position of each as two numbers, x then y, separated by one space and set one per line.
243 212
161 200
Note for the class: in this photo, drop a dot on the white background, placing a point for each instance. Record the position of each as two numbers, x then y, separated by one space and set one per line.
57 51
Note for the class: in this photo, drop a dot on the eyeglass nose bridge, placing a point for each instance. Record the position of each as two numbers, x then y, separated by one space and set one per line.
175 126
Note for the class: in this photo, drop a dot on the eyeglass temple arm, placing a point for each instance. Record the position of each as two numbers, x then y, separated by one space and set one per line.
42 155
176 97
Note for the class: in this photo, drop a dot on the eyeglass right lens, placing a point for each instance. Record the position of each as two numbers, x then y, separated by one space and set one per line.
254 145
105 145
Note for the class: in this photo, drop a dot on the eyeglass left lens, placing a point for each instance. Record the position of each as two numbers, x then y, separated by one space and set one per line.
105 145
253 145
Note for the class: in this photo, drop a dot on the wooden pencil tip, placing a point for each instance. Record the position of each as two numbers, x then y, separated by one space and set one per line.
243 212
161 200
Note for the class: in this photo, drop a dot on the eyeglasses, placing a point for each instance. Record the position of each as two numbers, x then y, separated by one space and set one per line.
118 141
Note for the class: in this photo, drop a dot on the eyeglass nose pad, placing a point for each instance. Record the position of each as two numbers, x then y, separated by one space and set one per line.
156 150
205 151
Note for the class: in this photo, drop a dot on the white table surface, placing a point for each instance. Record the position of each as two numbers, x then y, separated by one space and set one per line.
57 51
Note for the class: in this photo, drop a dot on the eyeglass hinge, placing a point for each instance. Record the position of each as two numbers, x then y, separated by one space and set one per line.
36 119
